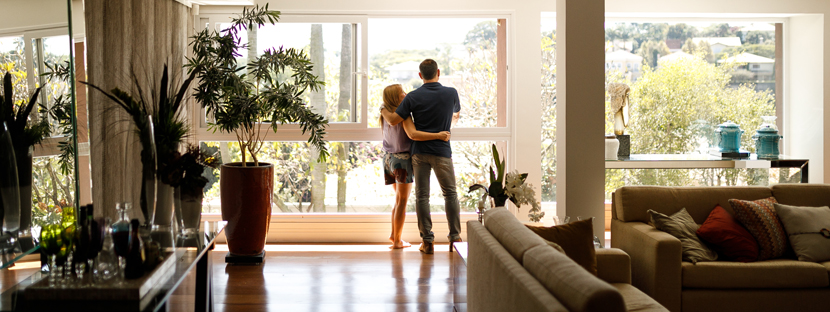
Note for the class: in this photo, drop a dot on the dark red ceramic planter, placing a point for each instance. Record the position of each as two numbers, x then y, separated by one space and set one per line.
246 205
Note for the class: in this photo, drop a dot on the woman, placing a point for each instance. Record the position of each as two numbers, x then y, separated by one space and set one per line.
397 163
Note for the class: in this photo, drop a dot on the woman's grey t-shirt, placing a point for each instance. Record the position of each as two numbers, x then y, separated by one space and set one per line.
395 139
431 106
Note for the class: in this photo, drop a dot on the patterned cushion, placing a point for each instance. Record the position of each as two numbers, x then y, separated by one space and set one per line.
760 219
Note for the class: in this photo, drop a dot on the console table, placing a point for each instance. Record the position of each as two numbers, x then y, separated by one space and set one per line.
192 252
701 161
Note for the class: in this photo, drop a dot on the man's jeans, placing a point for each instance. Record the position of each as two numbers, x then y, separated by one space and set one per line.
422 164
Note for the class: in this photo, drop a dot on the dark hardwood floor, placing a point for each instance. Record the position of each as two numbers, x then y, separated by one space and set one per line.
336 277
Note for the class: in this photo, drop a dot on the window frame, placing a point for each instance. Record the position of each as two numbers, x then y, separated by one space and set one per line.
360 131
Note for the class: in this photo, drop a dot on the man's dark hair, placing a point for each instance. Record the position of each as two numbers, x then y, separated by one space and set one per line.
429 68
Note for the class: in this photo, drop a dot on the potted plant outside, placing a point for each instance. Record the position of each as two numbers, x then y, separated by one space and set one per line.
242 101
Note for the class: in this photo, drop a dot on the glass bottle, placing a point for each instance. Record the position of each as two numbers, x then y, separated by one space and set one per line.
106 270
95 238
121 237
135 258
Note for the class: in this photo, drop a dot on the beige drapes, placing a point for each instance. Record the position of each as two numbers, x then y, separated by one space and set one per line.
127 37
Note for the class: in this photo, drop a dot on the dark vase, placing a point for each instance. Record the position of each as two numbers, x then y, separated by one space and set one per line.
500 200
246 205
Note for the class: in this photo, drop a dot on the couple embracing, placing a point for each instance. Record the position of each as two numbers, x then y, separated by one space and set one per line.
416 141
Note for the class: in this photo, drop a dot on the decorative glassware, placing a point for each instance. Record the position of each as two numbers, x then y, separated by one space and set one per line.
121 237
49 242
189 210
135 258
769 122
148 172
107 269
9 188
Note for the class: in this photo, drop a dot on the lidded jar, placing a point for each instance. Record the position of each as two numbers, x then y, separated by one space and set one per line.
729 137
766 138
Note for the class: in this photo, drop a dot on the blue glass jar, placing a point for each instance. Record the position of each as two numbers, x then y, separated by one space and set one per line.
728 136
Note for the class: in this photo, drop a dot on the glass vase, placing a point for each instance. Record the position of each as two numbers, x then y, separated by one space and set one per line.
9 183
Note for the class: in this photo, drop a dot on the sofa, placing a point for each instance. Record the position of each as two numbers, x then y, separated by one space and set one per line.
510 268
657 269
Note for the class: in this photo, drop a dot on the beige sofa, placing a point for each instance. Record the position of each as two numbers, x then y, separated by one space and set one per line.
657 269
510 268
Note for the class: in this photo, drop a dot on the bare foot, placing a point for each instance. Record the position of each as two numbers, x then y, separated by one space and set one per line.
400 245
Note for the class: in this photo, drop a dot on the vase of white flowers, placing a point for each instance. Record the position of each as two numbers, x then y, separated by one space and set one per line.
510 186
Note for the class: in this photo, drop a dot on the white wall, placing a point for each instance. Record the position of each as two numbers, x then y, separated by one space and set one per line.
804 121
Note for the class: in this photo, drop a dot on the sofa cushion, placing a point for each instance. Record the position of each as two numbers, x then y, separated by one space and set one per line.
810 195
826 265
682 226
726 236
804 226
511 233
576 239
778 273
636 300
633 202
760 219
574 287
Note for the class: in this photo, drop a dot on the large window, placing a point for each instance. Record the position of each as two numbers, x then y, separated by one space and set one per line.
685 79
357 57
548 81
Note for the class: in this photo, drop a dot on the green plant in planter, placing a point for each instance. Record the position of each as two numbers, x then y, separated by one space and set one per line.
24 133
16 117
160 140
272 90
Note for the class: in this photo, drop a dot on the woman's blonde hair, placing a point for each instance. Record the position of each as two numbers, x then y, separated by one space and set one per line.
391 99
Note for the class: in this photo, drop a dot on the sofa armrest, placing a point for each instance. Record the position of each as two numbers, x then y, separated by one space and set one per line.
613 265
655 260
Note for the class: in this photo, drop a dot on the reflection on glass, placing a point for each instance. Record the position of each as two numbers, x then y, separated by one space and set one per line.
353 177
9 188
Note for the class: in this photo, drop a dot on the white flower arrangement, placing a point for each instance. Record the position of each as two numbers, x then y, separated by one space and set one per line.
522 194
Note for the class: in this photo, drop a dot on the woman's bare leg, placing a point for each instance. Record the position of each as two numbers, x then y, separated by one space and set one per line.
392 236
399 214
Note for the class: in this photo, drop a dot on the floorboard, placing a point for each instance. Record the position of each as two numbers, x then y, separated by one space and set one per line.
336 277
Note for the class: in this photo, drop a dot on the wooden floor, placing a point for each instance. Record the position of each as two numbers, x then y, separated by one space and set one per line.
324 278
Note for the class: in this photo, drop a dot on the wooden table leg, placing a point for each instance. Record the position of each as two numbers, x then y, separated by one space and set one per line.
204 283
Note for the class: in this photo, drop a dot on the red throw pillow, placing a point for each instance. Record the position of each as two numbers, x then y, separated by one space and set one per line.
726 236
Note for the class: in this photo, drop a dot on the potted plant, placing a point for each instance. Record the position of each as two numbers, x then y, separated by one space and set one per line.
24 133
161 126
243 104
508 186
190 191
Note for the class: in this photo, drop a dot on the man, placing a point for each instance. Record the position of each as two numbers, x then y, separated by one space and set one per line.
434 108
